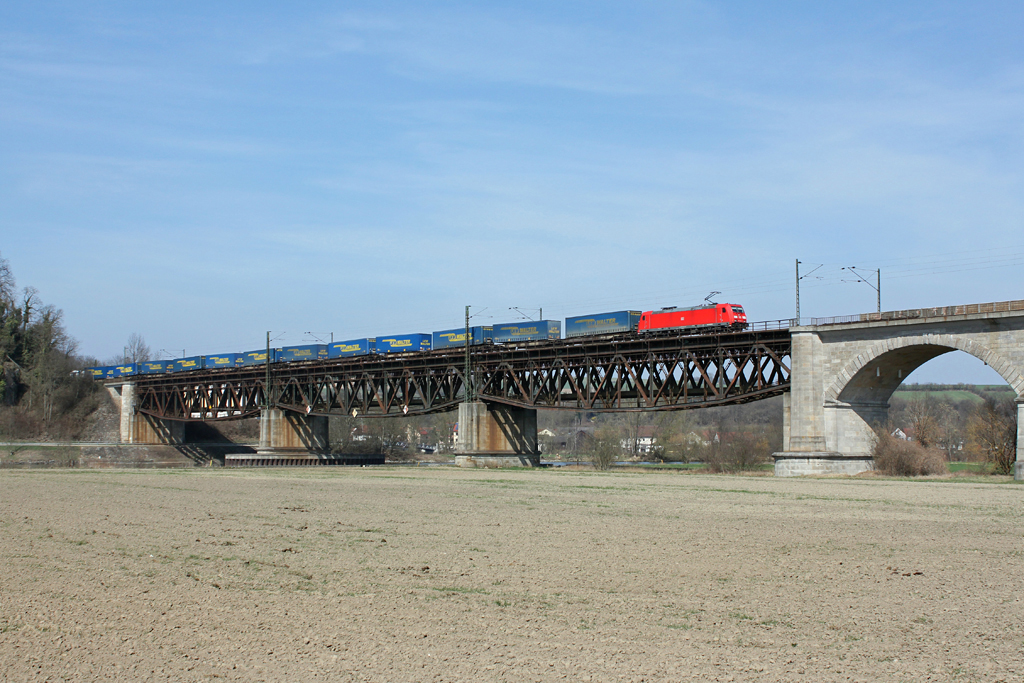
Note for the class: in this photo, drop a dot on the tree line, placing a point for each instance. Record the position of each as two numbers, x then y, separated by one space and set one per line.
971 430
44 393
726 438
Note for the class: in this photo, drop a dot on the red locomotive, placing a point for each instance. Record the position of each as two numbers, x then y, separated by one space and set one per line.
702 318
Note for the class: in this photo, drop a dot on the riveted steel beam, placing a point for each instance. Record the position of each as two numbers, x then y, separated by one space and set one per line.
605 374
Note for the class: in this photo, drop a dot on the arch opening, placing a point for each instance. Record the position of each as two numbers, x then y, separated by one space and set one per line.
858 400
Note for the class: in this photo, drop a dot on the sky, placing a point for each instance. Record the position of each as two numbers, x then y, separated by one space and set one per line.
201 173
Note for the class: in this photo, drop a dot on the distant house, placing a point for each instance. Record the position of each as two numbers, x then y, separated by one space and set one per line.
695 439
550 442
902 435
572 440
645 441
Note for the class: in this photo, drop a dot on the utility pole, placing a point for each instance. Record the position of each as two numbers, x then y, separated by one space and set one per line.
266 384
878 289
798 291
877 286
798 279
466 370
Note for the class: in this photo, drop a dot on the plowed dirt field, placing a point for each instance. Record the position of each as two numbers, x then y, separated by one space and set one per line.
439 574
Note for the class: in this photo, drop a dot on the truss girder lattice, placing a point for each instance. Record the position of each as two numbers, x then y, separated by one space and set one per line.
601 374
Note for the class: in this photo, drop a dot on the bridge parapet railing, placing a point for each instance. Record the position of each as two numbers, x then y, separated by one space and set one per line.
914 313
766 325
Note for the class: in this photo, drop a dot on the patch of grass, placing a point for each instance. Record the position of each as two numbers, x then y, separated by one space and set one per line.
460 589
774 622
599 488
973 467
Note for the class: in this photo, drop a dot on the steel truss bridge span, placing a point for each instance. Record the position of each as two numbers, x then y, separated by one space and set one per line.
600 374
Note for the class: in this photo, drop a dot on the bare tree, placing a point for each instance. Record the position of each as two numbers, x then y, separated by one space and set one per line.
951 431
575 436
6 285
28 297
992 433
922 414
136 350
605 448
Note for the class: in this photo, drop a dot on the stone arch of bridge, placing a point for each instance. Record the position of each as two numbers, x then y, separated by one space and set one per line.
875 373
857 399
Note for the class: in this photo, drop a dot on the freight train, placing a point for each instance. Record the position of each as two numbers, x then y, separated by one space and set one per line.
698 319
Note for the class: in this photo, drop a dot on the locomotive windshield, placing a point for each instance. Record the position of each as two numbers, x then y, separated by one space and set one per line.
737 309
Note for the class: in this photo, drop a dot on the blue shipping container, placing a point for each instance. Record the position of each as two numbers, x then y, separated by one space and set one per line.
602 323
527 331
291 354
353 347
457 337
154 367
403 342
258 357
101 371
124 370
222 360
190 363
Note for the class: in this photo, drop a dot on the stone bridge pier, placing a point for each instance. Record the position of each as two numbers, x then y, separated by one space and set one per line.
283 432
139 428
844 374
496 435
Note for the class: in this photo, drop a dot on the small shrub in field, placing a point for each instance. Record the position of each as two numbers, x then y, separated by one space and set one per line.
742 452
900 458
604 449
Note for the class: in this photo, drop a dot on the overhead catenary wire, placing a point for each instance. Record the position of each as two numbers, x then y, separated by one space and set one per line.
894 268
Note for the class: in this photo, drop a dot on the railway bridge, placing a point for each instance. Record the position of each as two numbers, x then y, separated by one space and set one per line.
836 376
844 370
506 385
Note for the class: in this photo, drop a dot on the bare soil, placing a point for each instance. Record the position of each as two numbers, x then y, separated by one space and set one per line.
439 574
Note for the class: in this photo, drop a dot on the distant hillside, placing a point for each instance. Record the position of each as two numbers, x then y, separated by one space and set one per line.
953 393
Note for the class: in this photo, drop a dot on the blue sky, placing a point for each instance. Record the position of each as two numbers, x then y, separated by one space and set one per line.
200 173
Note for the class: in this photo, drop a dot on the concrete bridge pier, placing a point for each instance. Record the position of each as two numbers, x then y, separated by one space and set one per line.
1018 468
496 435
807 421
288 434
139 428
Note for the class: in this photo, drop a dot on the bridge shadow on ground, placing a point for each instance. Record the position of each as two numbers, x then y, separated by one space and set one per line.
205 445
